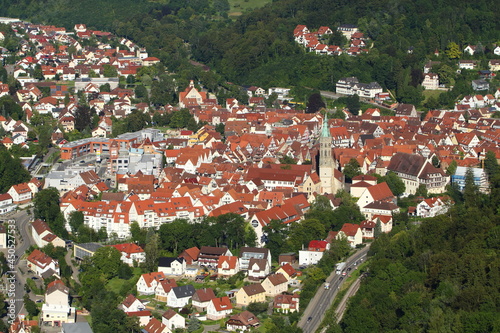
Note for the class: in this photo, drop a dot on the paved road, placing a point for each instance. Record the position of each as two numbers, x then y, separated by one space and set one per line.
24 241
315 311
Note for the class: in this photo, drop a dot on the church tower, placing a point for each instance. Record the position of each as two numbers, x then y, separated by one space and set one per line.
326 162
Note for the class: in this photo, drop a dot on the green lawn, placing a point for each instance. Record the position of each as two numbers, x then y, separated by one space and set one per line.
240 6
432 93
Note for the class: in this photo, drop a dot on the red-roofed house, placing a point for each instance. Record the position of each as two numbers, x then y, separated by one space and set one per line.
314 252
190 255
131 252
40 263
20 193
202 297
352 232
242 322
42 235
379 192
132 304
156 326
163 288
173 320
287 270
227 266
6 203
219 308
148 282
286 303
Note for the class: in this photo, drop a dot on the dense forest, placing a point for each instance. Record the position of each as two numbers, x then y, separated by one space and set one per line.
258 47
443 276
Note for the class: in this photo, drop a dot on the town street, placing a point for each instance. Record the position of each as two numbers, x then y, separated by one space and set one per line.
324 297
24 241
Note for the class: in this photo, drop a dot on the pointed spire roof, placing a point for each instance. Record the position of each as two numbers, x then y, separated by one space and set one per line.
325 131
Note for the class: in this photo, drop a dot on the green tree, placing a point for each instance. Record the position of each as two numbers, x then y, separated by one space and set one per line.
452 168
378 228
276 233
491 164
421 191
83 118
106 261
46 208
453 51
109 70
471 190
75 220
351 169
395 183
353 104
138 233
105 87
11 170
152 253
315 103
287 160
30 306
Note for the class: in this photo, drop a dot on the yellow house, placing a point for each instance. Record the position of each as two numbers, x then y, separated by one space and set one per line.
253 293
275 284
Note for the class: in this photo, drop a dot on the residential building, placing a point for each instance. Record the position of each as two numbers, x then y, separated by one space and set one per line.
178 297
173 320
56 309
286 303
353 234
163 288
275 284
431 81
227 266
172 266
219 307
42 265
247 253
147 283
253 293
42 235
242 322
131 253
132 304
202 298
314 252
258 269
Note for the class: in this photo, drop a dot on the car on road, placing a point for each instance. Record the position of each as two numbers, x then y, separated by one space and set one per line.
349 268
341 278
309 319
34 278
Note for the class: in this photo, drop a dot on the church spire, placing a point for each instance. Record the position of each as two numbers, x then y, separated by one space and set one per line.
325 131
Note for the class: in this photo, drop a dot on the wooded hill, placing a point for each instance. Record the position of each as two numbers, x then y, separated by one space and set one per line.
443 276
258 48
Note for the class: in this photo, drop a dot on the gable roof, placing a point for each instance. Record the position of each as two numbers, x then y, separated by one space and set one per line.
204 294
184 291
277 279
253 289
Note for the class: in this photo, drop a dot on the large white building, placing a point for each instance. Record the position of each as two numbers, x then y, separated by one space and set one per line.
352 86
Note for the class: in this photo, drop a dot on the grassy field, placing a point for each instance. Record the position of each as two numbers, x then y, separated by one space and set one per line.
238 7
432 93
